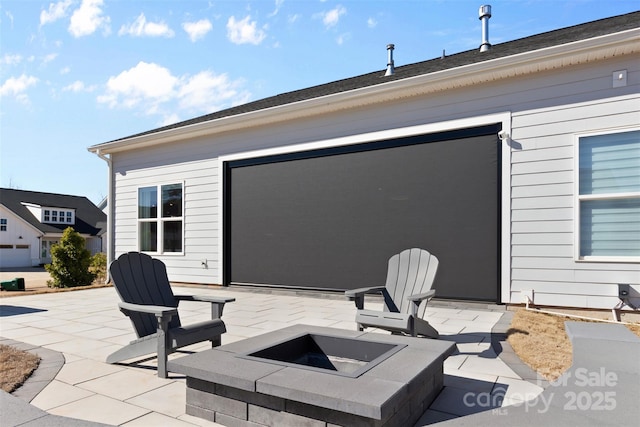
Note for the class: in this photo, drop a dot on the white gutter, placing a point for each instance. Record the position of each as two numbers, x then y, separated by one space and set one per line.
110 213
579 52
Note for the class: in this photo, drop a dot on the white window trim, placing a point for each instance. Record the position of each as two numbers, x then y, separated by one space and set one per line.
160 220
58 211
578 198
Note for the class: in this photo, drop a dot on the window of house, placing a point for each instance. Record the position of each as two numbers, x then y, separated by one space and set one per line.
609 197
3 224
160 218
58 216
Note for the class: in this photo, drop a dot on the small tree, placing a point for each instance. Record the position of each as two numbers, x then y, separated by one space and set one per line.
70 262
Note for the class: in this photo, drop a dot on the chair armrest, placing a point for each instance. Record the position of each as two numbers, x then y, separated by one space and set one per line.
357 295
418 298
204 298
157 310
217 303
353 293
425 295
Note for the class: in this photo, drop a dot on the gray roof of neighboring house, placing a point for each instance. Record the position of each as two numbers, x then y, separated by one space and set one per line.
540 41
89 219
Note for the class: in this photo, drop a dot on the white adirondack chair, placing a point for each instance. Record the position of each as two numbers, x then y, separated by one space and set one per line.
407 291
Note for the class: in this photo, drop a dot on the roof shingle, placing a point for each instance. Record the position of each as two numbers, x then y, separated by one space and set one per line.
89 219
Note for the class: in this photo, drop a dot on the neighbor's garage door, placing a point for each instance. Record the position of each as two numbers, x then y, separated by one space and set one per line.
330 219
15 256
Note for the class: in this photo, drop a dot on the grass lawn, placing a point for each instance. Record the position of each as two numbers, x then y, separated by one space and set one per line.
15 367
540 340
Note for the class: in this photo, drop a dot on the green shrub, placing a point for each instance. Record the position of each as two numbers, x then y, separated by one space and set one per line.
99 266
70 262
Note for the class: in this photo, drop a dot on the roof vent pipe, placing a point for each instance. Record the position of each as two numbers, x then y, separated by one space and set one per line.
390 69
484 14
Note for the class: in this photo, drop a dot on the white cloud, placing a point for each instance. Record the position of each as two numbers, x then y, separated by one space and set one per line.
154 90
78 86
198 29
145 83
65 70
208 92
331 18
372 23
11 59
55 12
342 38
10 16
140 27
244 31
88 18
50 57
169 119
17 86
293 18
278 5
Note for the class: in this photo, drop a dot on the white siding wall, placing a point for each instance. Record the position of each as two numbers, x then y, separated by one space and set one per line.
19 233
547 110
543 203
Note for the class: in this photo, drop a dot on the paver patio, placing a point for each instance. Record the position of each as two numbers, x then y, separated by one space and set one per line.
86 326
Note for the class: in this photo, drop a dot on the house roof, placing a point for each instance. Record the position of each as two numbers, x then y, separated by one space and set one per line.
89 219
537 42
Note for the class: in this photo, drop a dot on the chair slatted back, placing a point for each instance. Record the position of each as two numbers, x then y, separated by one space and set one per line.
140 279
410 272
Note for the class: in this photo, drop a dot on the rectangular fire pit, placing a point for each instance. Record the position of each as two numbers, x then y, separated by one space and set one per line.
306 375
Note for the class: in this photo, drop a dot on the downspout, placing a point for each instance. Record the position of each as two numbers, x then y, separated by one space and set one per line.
110 213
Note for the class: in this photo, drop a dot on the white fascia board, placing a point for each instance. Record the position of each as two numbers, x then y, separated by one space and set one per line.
579 52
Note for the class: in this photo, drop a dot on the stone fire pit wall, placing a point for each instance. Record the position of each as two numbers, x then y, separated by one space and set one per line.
228 389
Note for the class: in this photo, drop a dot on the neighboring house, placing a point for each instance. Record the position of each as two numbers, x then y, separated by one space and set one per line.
32 222
517 167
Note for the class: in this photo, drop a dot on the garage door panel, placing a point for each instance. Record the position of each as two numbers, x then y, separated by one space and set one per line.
15 257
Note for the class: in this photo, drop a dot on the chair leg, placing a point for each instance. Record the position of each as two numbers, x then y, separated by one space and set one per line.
216 342
412 326
163 346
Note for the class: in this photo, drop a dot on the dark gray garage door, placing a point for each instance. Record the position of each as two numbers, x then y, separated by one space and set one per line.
330 219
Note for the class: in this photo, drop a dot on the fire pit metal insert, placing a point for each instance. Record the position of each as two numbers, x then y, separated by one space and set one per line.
326 353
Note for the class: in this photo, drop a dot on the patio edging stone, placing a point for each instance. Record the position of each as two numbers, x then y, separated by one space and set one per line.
16 406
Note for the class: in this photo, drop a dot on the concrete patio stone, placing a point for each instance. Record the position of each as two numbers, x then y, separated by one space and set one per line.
58 394
85 370
473 368
100 409
123 385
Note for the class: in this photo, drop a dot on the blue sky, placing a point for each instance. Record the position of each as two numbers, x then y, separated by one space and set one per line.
74 73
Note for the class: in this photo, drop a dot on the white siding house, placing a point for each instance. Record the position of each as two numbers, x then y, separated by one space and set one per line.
32 222
544 97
